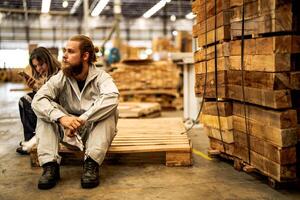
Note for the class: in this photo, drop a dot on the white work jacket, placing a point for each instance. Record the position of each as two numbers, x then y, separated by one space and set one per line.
60 96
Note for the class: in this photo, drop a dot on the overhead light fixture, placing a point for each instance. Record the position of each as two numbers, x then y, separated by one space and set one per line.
46 6
65 3
99 7
156 8
173 18
190 15
75 6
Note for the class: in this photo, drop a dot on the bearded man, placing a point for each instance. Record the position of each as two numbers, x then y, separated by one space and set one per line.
77 104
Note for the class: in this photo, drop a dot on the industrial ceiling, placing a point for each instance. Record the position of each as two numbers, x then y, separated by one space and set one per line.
130 8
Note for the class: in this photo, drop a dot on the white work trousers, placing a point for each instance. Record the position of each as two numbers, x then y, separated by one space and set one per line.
97 138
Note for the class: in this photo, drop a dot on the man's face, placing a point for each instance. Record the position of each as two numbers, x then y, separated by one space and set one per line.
72 59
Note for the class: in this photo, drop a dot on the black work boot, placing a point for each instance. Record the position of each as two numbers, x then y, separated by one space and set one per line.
50 176
90 176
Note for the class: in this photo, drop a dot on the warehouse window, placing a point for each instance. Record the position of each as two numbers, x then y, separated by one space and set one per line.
17 58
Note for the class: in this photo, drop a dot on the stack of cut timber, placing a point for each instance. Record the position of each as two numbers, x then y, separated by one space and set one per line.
149 81
220 134
264 17
138 110
212 21
265 136
205 70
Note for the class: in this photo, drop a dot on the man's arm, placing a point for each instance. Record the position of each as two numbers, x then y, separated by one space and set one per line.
44 104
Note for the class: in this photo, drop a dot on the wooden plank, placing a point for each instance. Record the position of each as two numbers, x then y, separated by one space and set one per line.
204 13
266 166
266 45
175 159
282 156
224 107
251 9
276 99
222 34
223 19
209 52
235 3
276 136
295 80
260 80
218 145
278 119
222 64
137 109
211 92
262 19
208 79
212 121
224 135
265 63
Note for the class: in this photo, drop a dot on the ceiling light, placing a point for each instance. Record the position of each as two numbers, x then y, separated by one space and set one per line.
156 8
190 15
99 7
173 18
65 4
174 33
75 6
46 6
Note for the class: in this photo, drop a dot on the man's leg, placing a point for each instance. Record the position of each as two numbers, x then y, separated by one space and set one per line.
97 144
48 136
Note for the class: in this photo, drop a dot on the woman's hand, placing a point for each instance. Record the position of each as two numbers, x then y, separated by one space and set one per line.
30 82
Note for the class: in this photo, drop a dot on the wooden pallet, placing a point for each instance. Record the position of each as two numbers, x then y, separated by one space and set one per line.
139 109
142 141
241 165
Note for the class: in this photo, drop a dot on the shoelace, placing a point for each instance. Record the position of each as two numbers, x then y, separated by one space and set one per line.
49 170
90 166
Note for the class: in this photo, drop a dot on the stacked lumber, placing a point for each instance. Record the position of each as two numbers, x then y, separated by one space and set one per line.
10 75
264 93
217 120
149 81
264 17
163 44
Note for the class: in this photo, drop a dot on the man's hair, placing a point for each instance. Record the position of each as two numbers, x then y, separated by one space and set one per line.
43 55
86 45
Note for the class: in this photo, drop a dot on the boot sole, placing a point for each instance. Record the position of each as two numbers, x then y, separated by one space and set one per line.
46 186
90 184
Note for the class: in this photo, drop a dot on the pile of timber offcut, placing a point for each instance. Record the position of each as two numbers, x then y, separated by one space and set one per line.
262 127
156 140
138 110
149 81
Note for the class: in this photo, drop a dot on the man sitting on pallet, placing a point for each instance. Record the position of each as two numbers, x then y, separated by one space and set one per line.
78 104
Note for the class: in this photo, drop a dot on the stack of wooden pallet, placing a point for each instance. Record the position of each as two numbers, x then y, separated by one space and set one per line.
264 90
149 81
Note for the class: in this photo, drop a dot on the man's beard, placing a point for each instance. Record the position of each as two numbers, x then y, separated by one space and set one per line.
73 69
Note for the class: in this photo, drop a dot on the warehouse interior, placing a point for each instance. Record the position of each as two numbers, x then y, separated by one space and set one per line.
208 99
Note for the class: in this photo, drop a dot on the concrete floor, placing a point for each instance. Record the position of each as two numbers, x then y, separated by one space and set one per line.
204 180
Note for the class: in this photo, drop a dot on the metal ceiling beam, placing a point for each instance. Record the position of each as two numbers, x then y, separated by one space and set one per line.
17 10
26 20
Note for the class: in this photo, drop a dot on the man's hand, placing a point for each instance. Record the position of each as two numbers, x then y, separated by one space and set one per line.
71 123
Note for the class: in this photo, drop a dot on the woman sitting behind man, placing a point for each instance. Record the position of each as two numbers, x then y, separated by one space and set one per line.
43 65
